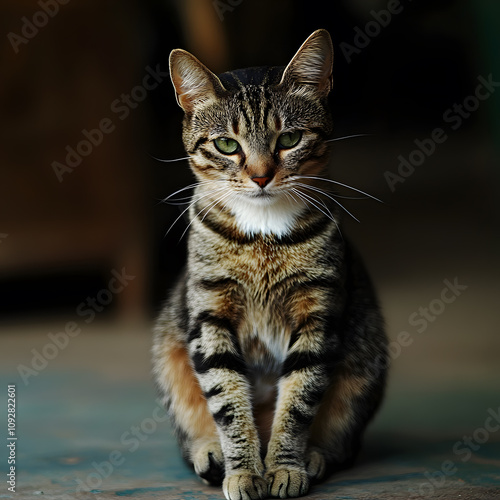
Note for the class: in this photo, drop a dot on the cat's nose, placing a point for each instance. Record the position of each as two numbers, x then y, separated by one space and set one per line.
262 181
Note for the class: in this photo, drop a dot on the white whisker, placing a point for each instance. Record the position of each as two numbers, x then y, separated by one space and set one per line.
340 184
290 196
310 200
317 190
347 197
347 137
315 202
334 193
216 202
186 188
208 208
191 186
228 200
194 201
170 161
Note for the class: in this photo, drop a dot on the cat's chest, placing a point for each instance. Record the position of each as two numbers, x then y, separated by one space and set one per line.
264 276
262 271
264 337
261 267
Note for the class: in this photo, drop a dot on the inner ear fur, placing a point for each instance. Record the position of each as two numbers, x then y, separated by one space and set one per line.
313 63
194 83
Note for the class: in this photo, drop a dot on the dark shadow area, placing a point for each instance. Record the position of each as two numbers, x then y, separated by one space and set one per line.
396 75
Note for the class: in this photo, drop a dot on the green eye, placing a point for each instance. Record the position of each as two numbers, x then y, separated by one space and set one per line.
226 146
289 139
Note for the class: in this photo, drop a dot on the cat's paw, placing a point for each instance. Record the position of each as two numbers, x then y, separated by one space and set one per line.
244 486
315 464
208 462
287 483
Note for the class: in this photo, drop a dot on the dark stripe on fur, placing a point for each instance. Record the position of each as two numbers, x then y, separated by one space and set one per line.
313 397
236 128
198 143
301 418
214 391
325 283
246 117
225 415
312 230
226 360
267 108
204 168
301 235
223 230
218 161
237 462
289 457
301 360
210 318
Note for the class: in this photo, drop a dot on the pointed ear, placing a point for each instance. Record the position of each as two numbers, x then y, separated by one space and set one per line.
194 83
312 64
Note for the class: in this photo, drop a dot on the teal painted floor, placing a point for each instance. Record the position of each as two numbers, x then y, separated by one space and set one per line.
88 425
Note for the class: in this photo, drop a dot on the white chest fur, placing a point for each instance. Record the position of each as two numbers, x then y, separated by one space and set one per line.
275 215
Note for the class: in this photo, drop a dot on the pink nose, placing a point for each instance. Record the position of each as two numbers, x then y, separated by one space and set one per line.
262 181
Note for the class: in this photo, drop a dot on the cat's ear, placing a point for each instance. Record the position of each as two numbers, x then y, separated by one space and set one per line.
312 64
194 83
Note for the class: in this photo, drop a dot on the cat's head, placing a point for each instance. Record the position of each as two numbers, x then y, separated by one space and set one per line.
253 131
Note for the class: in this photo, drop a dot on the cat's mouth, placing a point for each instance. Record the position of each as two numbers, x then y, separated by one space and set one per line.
262 195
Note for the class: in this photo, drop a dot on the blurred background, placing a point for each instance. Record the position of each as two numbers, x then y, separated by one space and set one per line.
68 218
86 105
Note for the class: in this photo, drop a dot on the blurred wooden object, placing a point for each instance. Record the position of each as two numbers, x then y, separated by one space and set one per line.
203 30
61 81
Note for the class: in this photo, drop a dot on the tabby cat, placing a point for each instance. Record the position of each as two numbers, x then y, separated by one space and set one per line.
270 354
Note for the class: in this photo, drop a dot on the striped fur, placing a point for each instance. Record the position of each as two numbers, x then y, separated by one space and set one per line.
270 354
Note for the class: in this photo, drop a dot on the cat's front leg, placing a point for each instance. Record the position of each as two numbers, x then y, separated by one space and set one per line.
301 387
299 394
220 370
